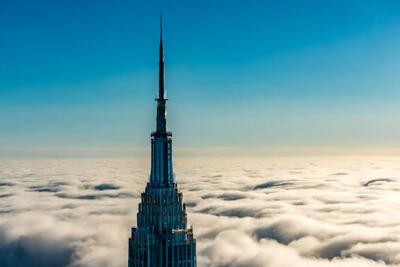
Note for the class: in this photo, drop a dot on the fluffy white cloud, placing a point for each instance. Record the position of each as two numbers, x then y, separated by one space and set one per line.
267 212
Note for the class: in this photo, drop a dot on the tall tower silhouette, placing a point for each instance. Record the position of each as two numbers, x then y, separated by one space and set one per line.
162 237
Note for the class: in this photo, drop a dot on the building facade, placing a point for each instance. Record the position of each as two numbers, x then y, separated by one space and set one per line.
162 237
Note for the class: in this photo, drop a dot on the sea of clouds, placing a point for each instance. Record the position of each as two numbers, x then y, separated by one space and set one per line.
270 212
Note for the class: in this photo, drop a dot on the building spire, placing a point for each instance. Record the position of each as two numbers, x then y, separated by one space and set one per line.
161 26
161 100
161 139
161 92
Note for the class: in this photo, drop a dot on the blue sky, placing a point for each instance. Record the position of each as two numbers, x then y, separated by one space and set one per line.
239 73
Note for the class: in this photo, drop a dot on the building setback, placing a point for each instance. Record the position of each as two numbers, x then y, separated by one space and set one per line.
162 237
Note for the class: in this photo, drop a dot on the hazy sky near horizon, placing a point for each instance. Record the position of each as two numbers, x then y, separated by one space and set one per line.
239 73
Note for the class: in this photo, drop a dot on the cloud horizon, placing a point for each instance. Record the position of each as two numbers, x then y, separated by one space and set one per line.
220 151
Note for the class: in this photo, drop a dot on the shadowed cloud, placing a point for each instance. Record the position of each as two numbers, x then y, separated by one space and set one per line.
377 181
103 187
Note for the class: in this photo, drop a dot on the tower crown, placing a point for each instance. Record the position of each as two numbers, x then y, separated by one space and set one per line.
162 237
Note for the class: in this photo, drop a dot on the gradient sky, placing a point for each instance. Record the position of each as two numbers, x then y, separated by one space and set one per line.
239 73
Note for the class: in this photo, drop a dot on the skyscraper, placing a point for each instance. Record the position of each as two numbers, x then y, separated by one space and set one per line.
162 237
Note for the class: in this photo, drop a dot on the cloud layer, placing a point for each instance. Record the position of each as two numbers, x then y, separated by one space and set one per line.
256 212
